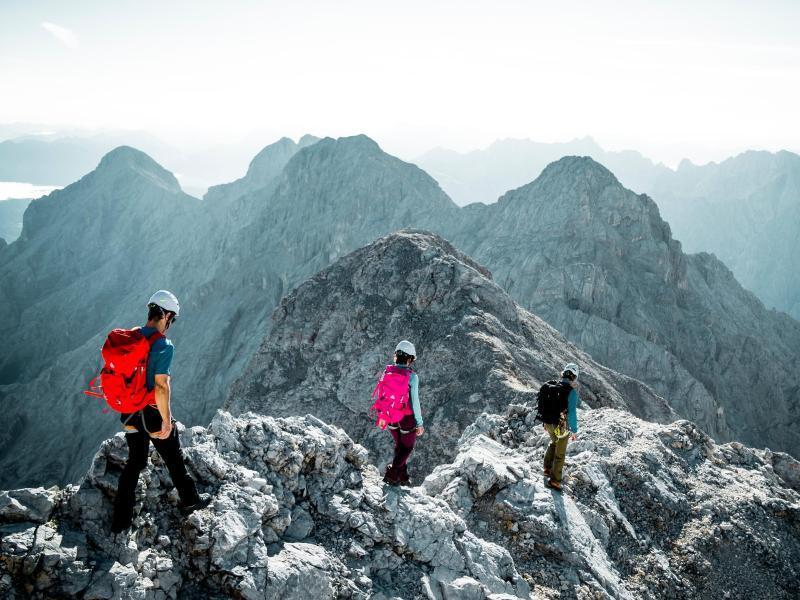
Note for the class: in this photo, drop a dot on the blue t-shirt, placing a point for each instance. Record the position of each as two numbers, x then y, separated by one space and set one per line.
160 359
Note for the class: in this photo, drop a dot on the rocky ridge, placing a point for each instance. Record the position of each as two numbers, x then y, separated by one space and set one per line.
478 350
651 511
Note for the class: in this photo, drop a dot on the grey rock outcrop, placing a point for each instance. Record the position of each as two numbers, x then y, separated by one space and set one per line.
598 263
358 539
651 511
478 350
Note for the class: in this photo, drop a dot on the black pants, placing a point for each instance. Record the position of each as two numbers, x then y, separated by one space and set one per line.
138 449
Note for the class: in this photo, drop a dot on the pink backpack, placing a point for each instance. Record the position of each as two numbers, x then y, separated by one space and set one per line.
391 396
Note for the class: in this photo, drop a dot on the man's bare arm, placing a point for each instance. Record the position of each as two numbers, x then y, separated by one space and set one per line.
163 392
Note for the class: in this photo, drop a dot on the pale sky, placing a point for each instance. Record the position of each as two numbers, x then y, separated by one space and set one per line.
671 79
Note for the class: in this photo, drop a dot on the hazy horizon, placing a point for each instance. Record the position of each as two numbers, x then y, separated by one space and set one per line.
677 81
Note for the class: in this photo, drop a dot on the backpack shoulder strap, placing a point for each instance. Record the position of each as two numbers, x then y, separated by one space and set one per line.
154 337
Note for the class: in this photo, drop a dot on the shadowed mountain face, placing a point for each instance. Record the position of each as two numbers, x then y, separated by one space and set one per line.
478 350
79 269
594 259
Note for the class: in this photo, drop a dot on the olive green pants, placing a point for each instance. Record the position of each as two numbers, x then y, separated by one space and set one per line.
556 451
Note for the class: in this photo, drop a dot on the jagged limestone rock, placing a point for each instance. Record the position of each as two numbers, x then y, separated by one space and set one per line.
649 511
365 540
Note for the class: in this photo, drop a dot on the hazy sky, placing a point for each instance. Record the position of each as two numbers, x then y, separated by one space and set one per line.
671 79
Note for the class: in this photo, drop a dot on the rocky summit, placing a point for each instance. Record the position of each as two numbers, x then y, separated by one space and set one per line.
478 350
297 511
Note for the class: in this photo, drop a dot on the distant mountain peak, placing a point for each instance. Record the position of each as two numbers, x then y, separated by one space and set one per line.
307 140
265 158
126 159
361 142
264 163
346 151
579 167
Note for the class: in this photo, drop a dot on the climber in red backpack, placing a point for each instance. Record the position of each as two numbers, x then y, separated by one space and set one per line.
145 392
397 409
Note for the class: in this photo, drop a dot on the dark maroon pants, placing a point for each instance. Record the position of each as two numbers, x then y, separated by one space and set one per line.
403 446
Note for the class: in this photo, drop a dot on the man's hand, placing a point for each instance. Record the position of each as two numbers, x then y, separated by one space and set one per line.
420 431
574 437
166 430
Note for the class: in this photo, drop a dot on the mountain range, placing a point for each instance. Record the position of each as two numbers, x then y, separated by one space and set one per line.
485 175
745 209
575 247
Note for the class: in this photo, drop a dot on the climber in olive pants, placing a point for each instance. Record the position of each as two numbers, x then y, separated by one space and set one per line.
561 432
556 451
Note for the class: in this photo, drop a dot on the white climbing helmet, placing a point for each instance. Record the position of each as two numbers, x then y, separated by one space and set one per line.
407 347
166 300
572 368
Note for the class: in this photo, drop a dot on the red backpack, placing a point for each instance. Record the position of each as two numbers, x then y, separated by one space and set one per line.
123 380
391 396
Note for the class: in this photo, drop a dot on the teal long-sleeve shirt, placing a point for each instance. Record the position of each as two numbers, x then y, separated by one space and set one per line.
573 401
413 385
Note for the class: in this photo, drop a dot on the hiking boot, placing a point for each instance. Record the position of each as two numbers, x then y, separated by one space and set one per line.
405 482
203 500
553 484
547 472
390 481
